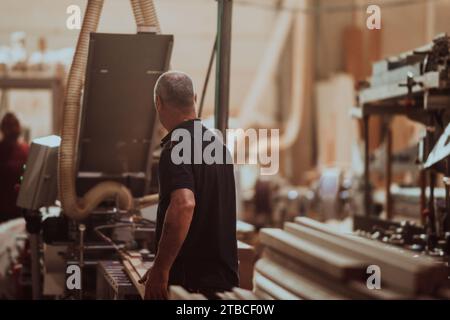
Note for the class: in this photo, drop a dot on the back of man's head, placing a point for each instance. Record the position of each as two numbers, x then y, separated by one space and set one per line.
176 89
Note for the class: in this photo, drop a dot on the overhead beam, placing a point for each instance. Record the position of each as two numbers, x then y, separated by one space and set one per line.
222 92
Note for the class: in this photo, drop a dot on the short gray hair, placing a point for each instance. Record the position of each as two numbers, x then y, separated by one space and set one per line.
175 88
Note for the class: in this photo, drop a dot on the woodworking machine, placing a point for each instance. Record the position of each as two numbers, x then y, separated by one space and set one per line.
415 84
116 143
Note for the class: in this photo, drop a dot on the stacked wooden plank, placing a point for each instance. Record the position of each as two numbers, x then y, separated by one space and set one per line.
136 268
308 260
179 293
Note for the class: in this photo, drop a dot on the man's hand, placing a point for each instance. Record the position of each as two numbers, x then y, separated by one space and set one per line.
176 226
156 284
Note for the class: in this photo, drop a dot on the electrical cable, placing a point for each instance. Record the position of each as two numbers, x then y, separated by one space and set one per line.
113 244
111 226
141 221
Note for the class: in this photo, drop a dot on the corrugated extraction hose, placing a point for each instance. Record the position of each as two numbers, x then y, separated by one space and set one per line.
73 207
137 11
150 16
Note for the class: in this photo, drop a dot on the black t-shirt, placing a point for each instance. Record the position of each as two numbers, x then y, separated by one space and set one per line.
208 257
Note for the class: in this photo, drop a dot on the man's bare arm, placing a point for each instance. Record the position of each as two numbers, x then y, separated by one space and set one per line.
176 226
175 229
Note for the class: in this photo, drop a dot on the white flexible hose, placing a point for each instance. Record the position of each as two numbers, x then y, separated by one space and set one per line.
150 17
285 23
73 207
138 16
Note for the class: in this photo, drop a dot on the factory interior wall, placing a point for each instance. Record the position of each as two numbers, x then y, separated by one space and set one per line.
406 27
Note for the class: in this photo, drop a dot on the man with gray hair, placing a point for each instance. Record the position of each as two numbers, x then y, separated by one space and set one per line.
196 219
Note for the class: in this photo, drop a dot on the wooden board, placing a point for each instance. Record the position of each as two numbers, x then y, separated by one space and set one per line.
299 285
273 289
136 269
338 266
404 270
243 294
179 293
134 276
227 296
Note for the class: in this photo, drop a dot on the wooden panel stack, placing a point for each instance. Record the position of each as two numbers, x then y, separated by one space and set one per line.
308 260
179 293
136 269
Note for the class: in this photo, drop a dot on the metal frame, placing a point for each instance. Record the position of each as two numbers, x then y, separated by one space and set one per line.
223 51
423 95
